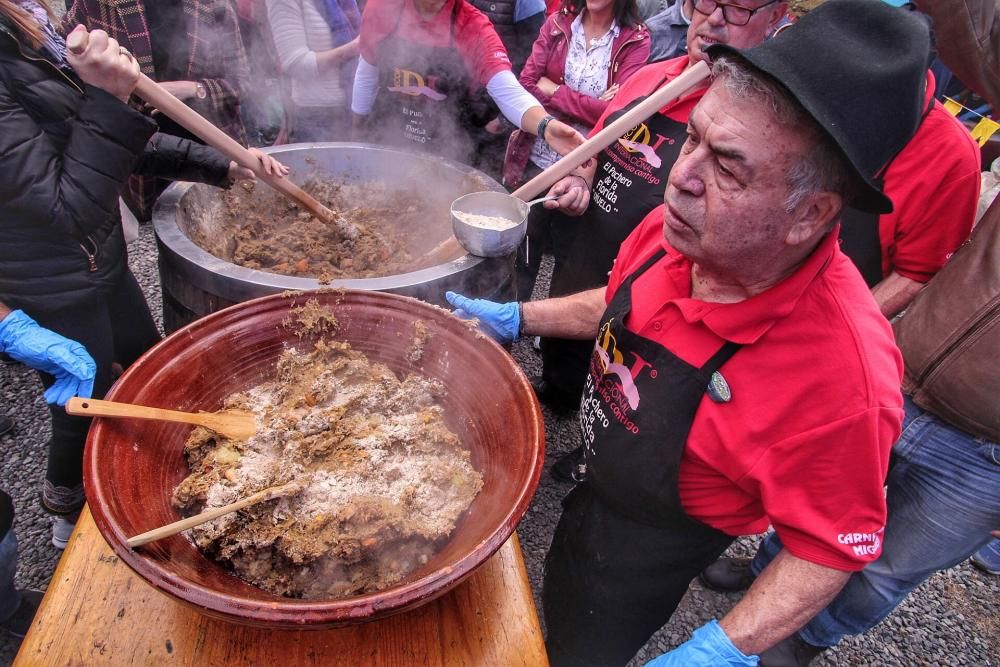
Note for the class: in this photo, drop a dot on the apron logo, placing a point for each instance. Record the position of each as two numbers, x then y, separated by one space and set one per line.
639 140
411 83
612 363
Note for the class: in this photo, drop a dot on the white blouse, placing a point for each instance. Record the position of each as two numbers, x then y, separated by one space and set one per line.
586 72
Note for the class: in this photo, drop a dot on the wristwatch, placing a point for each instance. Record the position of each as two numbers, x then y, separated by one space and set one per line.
200 91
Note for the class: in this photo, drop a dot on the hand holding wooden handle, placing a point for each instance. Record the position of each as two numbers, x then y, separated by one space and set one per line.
156 95
689 78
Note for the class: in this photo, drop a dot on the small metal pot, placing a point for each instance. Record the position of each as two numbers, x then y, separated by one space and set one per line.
485 242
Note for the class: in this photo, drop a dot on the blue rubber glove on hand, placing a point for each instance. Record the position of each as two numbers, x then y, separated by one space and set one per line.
708 647
64 359
500 321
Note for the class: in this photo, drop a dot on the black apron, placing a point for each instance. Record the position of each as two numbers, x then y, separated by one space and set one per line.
859 233
625 550
424 97
629 183
860 241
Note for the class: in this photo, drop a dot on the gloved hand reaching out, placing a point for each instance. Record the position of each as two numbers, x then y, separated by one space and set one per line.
64 359
709 646
500 321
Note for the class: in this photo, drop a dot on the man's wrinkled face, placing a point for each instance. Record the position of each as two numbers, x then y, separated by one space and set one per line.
725 196
713 29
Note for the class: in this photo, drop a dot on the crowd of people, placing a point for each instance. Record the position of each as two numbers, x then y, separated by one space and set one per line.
794 330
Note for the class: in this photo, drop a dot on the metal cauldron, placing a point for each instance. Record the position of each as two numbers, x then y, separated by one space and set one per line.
196 283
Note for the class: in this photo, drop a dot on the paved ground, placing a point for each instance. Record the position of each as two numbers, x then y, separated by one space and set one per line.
951 620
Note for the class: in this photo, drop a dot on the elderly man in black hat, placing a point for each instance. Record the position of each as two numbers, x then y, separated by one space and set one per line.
742 373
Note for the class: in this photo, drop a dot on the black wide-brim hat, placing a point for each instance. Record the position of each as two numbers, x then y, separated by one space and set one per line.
859 68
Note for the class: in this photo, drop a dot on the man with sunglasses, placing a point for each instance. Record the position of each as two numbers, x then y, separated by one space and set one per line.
605 202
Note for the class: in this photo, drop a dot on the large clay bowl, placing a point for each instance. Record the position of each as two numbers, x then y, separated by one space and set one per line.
131 467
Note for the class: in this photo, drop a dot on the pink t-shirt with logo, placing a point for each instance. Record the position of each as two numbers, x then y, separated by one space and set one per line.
474 36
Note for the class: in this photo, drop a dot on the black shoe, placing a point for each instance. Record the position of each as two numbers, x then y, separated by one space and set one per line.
569 467
6 426
790 652
19 623
560 402
728 575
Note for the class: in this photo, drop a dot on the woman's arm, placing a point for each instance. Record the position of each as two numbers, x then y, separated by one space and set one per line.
524 111
587 110
73 189
289 33
332 58
537 63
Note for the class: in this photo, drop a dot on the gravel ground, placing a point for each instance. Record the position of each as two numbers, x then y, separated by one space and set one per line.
951 620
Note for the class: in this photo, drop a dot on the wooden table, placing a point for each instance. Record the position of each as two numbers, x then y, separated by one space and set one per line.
97 611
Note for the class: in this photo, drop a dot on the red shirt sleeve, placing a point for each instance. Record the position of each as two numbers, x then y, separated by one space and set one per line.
378 20
934 187
823 490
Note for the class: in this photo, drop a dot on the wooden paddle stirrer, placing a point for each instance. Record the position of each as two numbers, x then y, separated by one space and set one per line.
157 96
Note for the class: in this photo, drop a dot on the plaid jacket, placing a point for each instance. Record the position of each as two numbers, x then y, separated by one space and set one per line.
215 58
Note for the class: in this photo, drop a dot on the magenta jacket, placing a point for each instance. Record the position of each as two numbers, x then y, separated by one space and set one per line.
548 58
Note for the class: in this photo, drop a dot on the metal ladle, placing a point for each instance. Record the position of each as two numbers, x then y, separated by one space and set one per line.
690 78
486 241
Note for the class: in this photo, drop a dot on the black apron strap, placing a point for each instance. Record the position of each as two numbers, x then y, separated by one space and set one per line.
859 240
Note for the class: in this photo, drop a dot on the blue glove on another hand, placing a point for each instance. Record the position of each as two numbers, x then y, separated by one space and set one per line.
64 359
501 321
708 647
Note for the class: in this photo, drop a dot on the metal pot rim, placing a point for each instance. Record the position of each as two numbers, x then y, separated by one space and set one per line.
208 265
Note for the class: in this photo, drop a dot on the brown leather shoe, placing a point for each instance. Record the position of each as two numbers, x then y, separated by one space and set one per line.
728 575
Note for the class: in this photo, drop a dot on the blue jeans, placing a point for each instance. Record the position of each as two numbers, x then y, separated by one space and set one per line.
10 597
943 500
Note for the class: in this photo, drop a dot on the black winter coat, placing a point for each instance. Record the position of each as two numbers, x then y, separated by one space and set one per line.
66 151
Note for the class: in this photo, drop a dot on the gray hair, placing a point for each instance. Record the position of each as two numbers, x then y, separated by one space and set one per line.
824 167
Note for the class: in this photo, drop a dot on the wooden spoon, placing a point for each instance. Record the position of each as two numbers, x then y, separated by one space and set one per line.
236 424
214 513
157 96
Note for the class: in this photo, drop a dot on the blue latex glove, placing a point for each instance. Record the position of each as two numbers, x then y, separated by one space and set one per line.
708 647
64 359
500 321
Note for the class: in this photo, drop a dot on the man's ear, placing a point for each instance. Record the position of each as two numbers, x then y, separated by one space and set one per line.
777 13
817 214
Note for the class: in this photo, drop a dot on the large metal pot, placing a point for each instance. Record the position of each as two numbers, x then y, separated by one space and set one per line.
196 283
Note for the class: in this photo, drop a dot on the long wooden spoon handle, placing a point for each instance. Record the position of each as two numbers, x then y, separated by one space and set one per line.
208 515
688 79
92 407
176 110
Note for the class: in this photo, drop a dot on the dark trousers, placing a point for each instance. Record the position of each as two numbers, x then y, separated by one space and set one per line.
611 582
115 328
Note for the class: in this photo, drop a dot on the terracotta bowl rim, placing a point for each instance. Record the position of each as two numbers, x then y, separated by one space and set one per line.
283 612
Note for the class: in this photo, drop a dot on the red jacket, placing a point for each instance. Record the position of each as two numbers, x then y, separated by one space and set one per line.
629 52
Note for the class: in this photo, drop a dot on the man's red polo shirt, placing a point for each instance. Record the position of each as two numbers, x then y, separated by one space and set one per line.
934 187
804 442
